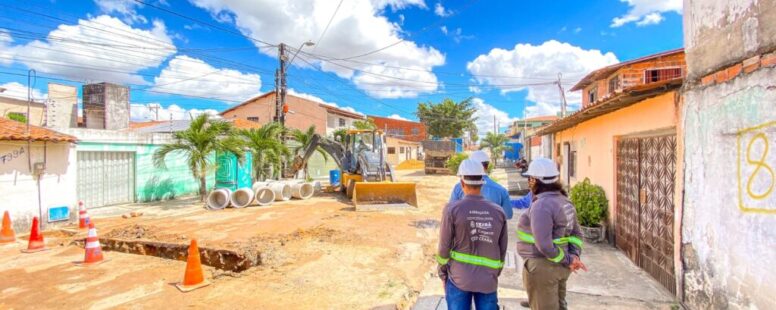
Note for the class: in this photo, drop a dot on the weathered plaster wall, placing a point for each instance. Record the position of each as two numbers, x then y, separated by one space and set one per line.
19 187
729 216
730 200
719 32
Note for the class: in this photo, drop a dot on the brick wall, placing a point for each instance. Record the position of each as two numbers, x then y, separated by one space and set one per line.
401 129
302 112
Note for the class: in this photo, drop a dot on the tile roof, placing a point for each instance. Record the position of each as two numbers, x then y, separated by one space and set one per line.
138 125
13 130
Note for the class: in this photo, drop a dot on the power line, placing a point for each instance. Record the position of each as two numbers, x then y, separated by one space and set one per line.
205 23
327 25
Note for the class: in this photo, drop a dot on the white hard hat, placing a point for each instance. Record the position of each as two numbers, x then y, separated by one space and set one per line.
544 170
479 156
470 167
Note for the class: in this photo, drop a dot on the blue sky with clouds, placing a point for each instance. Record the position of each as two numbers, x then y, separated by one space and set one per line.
378 57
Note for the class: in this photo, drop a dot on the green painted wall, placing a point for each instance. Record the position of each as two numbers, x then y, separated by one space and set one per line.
153 183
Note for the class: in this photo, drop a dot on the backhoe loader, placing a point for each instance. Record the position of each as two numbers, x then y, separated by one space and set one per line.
366 178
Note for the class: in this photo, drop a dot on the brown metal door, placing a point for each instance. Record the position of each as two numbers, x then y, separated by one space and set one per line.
627 220
656 236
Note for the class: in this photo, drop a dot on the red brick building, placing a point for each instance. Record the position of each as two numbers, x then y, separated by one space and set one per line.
405 130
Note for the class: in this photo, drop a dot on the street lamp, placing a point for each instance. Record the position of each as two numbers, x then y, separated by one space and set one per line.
308 43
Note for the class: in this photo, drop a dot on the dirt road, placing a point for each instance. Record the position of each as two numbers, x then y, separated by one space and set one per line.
317 253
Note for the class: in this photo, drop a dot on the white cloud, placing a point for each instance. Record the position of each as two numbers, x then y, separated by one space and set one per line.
650 19
319 100
358 28
191 76
116 51
475 89
147 112
647 12
444 29
398 117
18 91
6 56
440 10
578 30
485 114
511 70
125 8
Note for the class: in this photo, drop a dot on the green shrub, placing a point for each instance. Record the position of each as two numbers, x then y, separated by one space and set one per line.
590 202
455 161
17 117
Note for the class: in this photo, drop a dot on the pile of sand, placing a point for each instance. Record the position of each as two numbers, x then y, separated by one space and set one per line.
411 164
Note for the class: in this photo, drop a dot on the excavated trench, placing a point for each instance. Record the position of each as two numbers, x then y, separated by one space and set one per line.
222 259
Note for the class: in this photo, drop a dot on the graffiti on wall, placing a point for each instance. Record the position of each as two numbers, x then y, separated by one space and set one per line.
8 157
757 168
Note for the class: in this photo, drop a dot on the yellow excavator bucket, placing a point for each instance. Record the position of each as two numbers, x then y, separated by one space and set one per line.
373 196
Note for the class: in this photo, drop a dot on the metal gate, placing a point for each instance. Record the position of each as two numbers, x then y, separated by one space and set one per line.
645 204
106 178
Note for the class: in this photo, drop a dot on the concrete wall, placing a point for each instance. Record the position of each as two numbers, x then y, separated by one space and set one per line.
12 105
19 187
730 162
720 32
62 110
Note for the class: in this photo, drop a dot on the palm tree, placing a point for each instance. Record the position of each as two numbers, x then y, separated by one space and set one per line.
268 150
198 143
496 143
304 138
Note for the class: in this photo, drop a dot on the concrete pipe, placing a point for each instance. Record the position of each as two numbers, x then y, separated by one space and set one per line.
282 191
265 183
219 199
242 197
302 190
264 195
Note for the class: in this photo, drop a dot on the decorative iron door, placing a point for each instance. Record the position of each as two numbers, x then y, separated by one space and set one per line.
627 220
656 237
645 204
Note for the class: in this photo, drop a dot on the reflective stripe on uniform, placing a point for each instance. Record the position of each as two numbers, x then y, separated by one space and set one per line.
441 260
476 260
558 258
528 238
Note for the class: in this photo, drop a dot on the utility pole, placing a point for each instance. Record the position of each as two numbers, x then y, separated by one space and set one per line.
494 125
562 97
280 86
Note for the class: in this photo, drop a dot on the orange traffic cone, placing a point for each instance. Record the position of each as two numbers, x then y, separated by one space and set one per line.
93 249
6 234
36 243
193 278
83 217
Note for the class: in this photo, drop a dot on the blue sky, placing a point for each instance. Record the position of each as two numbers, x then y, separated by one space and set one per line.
505 54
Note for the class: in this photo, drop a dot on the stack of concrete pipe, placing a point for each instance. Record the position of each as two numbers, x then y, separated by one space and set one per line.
262 193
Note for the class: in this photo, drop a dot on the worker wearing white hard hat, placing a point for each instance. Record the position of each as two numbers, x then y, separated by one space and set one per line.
472 244
549 238
491 190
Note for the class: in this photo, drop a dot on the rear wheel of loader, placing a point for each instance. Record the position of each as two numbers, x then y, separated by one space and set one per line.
351 187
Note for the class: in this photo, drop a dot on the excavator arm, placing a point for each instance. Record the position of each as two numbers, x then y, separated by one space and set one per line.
334 148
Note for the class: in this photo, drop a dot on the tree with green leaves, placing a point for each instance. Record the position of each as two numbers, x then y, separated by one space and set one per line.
496 143
339 135
198 143
368 124
267 148
447 119
21 118
304 138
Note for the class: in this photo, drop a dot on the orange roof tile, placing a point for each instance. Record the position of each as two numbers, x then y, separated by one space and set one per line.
136 125
13 130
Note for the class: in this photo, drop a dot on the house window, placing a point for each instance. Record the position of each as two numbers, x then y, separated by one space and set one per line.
342 122
401 149
415 131
591 95
391 150
572 164
657 75
253 118
614 84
